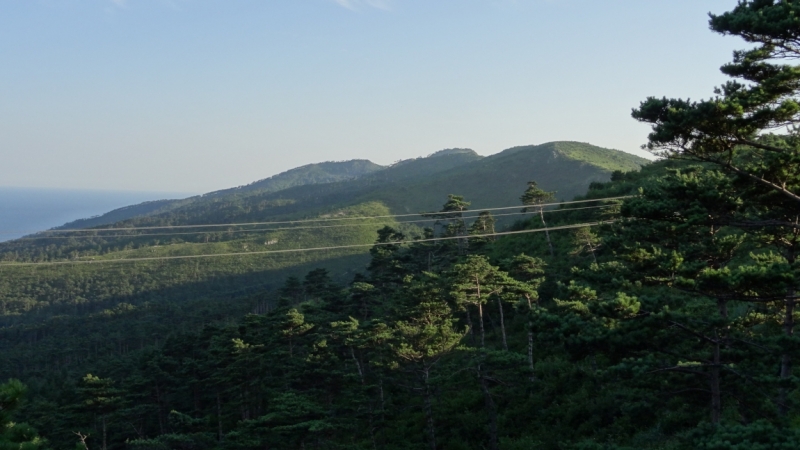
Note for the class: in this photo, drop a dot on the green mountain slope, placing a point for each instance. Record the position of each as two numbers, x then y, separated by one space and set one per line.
498 180
321 173
140 325
411 186
120 214
75 316
309 200
405 187
421 184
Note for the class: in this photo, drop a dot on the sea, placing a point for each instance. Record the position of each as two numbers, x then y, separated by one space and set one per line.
27 210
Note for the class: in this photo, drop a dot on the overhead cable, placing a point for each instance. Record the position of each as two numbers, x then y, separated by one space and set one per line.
298 250
314 227
328 219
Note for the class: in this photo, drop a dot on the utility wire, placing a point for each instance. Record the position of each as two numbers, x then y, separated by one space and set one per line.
76 230
253 230
298 250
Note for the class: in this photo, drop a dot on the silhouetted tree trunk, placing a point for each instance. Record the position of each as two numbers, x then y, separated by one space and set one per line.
502 323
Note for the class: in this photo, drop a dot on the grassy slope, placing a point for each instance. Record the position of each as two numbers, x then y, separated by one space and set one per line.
498 180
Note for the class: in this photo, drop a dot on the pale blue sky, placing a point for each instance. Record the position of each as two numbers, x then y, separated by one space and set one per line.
197 95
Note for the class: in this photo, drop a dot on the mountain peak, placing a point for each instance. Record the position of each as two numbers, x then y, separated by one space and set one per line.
603 158
452 151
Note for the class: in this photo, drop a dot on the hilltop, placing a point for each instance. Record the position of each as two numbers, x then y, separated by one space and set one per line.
408 186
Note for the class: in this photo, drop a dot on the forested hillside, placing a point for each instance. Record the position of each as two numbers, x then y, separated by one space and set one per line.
459 341
410 186
68 317
321 173
37 295
656 310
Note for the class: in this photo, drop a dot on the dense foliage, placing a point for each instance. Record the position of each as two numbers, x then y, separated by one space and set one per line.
670 326
616 340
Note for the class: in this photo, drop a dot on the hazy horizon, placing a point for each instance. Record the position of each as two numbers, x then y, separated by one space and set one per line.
189 194
199 96
26 210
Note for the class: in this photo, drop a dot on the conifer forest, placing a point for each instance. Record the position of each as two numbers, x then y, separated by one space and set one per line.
634 305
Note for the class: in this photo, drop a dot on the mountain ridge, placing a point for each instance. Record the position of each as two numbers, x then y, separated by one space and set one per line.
314 173
360 180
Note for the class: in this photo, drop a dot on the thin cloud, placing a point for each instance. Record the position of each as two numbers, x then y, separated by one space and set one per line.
355 5
177 5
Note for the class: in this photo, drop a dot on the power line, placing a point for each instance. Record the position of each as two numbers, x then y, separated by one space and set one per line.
76 230
298 250
183 233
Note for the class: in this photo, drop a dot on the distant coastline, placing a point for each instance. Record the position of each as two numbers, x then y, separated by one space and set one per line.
27 210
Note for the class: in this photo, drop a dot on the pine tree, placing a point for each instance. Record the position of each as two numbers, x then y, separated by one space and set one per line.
732 132
483 225
293 327
536 197
528 271
474 281
452 213
15 435
101 399
423 337
291 293
585 240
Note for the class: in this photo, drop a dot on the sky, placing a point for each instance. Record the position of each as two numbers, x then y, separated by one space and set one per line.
199 95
